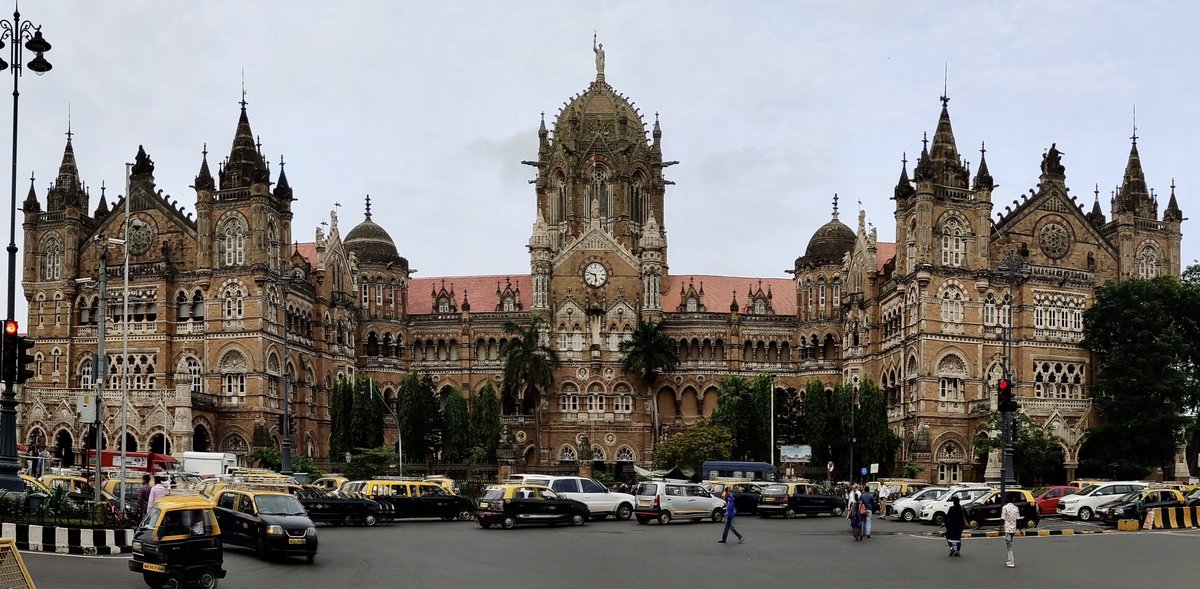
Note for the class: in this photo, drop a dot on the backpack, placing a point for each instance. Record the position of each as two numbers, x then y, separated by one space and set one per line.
862 509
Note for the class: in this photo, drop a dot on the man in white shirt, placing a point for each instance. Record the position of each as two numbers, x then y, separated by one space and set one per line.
884 493
1010 514
158 491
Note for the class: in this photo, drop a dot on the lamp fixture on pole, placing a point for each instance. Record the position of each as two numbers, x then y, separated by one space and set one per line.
18 34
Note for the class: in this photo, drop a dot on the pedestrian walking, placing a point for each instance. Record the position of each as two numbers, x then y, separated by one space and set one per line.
1139 511
143 495
854 513
730 513
956 520
159 491
867 504
885 493
1010 514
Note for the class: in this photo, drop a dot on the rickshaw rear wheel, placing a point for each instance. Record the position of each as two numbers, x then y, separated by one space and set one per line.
206 580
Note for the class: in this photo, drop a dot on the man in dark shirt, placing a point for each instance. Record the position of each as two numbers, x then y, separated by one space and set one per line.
143 495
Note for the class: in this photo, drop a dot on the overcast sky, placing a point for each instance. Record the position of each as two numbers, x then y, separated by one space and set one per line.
770 107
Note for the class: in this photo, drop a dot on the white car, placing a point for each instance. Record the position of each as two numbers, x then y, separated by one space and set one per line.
934 512
600 500
1083 504
666 500
909 508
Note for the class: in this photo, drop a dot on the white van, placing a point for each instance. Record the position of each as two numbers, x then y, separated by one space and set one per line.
934 512
1083 504
209 463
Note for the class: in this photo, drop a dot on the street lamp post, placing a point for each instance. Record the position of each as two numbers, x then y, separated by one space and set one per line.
100 368
125 349
772 420
1015 270
853 437
14 32
286 460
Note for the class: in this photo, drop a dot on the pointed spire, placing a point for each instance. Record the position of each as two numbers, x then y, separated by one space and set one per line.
245 164
204 179
542 128
1097 214
944 148
904 188
102 206
983 180
657 129
1133 191
1172 213
283 190
68 172
733 307
31 201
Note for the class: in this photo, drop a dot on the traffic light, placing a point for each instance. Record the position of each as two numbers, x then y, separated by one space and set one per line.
8 365
1006 400
291 424
25 361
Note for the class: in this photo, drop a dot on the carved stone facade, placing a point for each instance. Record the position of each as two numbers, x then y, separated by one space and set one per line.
922 316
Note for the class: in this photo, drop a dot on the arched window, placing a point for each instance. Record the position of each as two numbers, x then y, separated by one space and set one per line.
954 243
232 302
600 190
52 257
273 245
233 367
693 305
989 308
232 231
568 454
625 454
196 374
637 206
1149 260
952 305
85 375
951 372
559 214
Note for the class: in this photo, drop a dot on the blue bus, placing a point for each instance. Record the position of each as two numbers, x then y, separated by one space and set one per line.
732 469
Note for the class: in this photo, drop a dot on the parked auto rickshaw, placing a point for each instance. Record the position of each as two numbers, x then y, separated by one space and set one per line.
178 544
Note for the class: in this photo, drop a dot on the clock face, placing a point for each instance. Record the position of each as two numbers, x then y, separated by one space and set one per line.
141 235
595 274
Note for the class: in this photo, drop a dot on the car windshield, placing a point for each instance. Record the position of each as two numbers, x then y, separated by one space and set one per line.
648 489
1129 496
1087 489
493 493
775 490
150 519
278 505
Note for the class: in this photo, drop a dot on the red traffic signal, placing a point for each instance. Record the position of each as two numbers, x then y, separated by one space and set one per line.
11 328
1005 399
1004 385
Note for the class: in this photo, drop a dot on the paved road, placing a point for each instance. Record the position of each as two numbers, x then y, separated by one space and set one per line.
450 554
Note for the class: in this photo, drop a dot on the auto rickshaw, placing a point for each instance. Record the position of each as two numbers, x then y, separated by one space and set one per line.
178 544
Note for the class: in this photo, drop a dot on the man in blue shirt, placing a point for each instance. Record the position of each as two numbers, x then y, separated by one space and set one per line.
730 512
868 501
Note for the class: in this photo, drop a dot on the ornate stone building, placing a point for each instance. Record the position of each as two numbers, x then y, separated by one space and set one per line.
213 320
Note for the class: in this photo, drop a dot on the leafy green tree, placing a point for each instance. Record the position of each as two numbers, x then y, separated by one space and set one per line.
689 448
744 407
529 366
818 421
789 417
649 353
341 438
456 435
1145 335
1037 456
876 441
366 415
485 423
267 457
420 418
372 463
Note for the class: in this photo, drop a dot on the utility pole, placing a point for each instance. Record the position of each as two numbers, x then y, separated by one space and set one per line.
1016 270
101 369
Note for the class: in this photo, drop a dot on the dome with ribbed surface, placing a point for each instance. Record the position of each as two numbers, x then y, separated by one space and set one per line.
372 244
830 243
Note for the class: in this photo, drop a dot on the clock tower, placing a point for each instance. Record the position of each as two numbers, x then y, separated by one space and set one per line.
598 248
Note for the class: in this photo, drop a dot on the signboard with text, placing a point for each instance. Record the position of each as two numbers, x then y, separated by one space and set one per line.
795 453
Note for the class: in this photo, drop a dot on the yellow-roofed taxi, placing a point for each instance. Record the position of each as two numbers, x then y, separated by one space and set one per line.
986 509
270 522
512 504
409 499
178 544
791 499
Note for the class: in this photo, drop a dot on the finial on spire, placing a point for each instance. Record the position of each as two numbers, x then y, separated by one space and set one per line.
982 149
102 189
243 102
1134 136
281 163
924 141
368 206
1172 187
258 143
904 159
835 205
69 133
945 85
204 151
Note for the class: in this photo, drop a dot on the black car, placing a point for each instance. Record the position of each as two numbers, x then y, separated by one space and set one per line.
986 510
412 499
792 499
746 495
331 509
511 504
270 522
1124 506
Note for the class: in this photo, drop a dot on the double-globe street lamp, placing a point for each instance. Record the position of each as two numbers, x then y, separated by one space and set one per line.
15 32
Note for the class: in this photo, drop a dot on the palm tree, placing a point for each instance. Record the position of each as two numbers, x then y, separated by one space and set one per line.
529 367
648 354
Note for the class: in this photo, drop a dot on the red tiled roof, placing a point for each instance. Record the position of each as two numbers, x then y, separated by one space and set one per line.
884 252
308 250
719 292
479 290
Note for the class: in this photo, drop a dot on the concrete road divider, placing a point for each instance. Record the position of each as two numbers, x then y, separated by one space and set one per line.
68 540
1176 518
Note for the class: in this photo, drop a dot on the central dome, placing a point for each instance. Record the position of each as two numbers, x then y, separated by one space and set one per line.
601 102
829 243
372 244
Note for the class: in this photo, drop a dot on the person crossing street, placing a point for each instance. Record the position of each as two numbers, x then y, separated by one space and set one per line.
730 513
1010 514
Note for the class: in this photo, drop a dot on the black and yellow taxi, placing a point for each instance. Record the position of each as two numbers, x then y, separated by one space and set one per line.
327 508
330 482
986 509
1126 506
511 504
800 498
411 499
269 521
746 494
178 544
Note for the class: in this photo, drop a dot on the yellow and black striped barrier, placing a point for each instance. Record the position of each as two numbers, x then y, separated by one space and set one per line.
1176 518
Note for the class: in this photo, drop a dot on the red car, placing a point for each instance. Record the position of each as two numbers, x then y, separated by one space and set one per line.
1047 498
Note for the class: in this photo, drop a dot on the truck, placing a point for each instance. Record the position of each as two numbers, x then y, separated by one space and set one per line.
209 463
138 462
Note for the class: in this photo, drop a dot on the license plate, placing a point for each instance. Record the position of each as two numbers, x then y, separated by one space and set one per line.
295 540
483 504
154 568
643 502
771 500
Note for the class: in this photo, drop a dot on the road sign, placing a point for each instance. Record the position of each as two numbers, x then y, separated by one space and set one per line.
874 468
863 471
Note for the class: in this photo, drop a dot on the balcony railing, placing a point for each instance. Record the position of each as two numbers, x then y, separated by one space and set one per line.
1038 406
